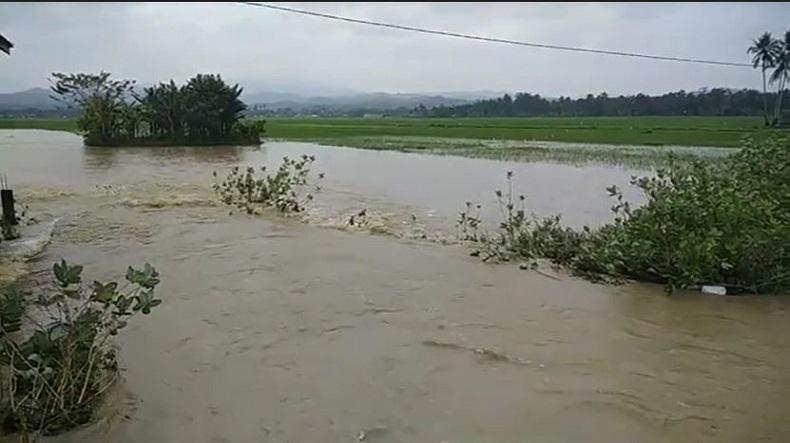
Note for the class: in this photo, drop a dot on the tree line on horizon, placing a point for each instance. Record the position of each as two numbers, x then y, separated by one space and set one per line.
705 102
770 55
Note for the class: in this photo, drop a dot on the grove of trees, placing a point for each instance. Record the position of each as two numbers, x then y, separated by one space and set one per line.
203 110
712 102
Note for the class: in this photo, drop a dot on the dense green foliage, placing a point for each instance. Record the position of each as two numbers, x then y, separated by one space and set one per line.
101 99
54 375
724 224
283 190
205 109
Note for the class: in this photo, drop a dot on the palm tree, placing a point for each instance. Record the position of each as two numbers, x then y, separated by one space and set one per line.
781 73
765 50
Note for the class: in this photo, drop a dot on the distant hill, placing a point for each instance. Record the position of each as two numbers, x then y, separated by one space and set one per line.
376 100
270 97
470 95
36 98
39 99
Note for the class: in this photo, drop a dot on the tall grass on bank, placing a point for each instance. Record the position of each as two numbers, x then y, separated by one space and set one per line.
725 223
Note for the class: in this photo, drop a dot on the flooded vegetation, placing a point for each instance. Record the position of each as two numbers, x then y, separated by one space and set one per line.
640 156
633 130
428 223
725 225
283 190
204 111
627 141
61 369
278 330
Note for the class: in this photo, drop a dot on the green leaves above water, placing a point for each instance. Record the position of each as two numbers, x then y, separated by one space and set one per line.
147 277
68 349
284 189
724 224
66 275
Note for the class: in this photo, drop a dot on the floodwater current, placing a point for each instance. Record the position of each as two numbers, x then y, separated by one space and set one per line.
276 330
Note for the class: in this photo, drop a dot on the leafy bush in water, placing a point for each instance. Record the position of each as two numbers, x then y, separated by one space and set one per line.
53 377
283 190
249 129
724 224
519 236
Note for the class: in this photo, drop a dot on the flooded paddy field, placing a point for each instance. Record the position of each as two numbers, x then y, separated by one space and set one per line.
277 330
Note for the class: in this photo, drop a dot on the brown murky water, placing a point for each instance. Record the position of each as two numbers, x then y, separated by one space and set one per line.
278 331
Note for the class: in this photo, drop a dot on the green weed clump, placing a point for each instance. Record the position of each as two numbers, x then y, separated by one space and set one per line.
724 224
57 361
283 190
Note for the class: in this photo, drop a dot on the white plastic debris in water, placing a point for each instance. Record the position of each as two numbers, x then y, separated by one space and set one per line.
714 290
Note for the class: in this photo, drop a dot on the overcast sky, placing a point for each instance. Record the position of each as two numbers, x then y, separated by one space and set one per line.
270 50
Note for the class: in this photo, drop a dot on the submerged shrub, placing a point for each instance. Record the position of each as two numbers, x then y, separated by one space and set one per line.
469 223
54 375
725 224
249 129
283 190
519 236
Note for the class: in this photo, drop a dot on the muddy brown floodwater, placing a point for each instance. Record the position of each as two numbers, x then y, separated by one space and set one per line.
278 331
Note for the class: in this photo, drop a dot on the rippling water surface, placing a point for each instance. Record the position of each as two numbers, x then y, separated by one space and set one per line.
275 330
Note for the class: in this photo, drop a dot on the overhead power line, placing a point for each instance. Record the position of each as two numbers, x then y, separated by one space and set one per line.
495 40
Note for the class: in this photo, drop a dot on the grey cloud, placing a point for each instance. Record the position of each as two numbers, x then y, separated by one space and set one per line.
265 49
